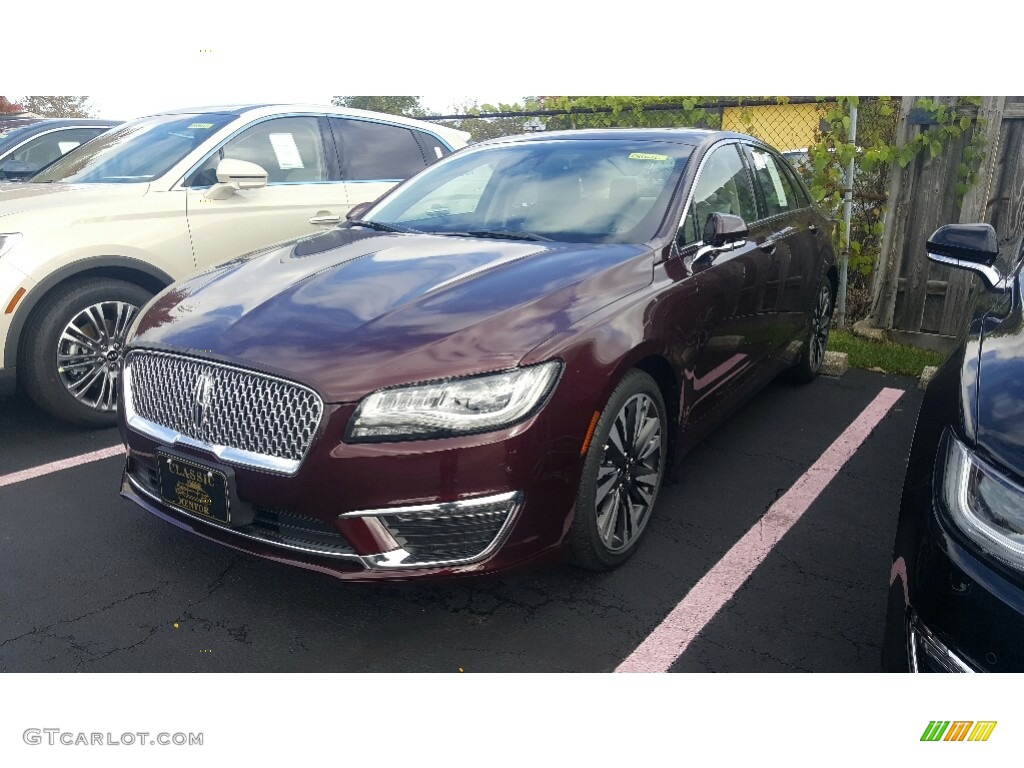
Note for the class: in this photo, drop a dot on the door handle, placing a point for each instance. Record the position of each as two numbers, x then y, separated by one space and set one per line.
768 245
325 220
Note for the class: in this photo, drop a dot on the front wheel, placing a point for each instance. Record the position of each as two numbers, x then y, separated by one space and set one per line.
72 346
812 354
622 474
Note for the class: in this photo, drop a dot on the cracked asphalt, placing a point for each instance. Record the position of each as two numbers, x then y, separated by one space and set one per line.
89 582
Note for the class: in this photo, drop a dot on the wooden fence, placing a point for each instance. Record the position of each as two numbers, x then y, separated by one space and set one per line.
919 301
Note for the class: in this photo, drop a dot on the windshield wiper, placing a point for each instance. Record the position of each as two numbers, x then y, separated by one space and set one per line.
380 226
503 234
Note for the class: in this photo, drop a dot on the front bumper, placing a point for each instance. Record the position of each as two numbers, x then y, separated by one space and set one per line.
960 613
434 508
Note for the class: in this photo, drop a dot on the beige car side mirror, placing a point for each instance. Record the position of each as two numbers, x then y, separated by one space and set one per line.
233 175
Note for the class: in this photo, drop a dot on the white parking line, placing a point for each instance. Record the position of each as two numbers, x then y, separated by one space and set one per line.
57 466
670 638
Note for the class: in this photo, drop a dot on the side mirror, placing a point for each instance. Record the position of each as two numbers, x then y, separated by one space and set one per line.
973 247
357 211
234 175
17 170
720 229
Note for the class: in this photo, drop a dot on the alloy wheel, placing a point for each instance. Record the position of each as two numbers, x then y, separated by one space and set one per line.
821 322
629 474
90 350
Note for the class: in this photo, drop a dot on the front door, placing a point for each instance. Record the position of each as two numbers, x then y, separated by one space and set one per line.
302 195
732 317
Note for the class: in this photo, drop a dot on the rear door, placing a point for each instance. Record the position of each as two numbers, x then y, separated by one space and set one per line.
302 196
376 156
787 232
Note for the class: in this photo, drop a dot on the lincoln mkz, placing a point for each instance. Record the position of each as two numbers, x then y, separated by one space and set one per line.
492 365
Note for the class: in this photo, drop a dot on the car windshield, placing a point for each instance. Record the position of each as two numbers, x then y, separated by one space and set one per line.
571 190
141 150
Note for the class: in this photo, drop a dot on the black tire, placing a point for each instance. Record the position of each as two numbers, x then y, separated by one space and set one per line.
812 353
47 382
587 546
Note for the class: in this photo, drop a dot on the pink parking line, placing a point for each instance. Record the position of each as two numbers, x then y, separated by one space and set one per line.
668 641
57 466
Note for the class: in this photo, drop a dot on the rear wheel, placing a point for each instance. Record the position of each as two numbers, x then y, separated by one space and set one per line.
72 348
812 355
622 474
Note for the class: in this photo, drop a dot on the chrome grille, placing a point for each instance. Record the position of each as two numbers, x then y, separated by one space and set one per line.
247 415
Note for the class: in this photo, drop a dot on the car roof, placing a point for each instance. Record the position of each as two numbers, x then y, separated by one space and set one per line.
691 136
453 135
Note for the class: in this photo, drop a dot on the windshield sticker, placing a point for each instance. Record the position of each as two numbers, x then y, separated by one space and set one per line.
3 135
67 146
286 150
196 126
647 156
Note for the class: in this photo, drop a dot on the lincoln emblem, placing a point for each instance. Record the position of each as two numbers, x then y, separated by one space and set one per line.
203 397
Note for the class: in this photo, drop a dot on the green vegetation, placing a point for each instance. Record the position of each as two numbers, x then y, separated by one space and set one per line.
883 356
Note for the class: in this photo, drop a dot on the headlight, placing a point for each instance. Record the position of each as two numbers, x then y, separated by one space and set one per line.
987 506
7 241
454 407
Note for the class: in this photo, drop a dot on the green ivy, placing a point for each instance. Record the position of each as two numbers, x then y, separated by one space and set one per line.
875 151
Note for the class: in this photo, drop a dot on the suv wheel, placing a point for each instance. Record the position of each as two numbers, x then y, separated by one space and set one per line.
72 346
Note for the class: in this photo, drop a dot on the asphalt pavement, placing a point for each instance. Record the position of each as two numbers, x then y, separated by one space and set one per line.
89 582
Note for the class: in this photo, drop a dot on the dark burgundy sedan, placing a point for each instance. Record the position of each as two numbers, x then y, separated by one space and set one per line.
492 365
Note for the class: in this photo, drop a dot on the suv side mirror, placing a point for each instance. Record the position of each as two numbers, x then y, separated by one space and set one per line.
721 229
973 247
234 175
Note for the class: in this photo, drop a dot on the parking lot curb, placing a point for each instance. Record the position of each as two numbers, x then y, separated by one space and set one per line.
835 363
927 374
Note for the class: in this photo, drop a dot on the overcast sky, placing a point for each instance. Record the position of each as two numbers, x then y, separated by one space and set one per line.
304 52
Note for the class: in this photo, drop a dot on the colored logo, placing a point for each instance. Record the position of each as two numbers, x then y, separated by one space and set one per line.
958 730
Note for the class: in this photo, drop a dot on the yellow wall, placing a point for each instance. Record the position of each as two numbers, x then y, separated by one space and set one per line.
786 126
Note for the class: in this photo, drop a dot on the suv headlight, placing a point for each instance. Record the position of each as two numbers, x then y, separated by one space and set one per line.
453 407
986 505
8 240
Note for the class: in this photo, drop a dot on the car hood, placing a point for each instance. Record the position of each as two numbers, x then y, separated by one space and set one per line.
24 196
999 398
349 311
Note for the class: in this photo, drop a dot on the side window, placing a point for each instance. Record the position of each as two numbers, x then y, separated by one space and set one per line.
376 151
802 195
45 149
722 187
774 183
289 149
432 149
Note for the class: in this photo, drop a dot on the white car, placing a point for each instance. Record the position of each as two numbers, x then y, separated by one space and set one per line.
87 241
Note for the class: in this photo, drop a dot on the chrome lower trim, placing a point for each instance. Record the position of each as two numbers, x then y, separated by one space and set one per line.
319 553
463 506
398 558
993 277
919 636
